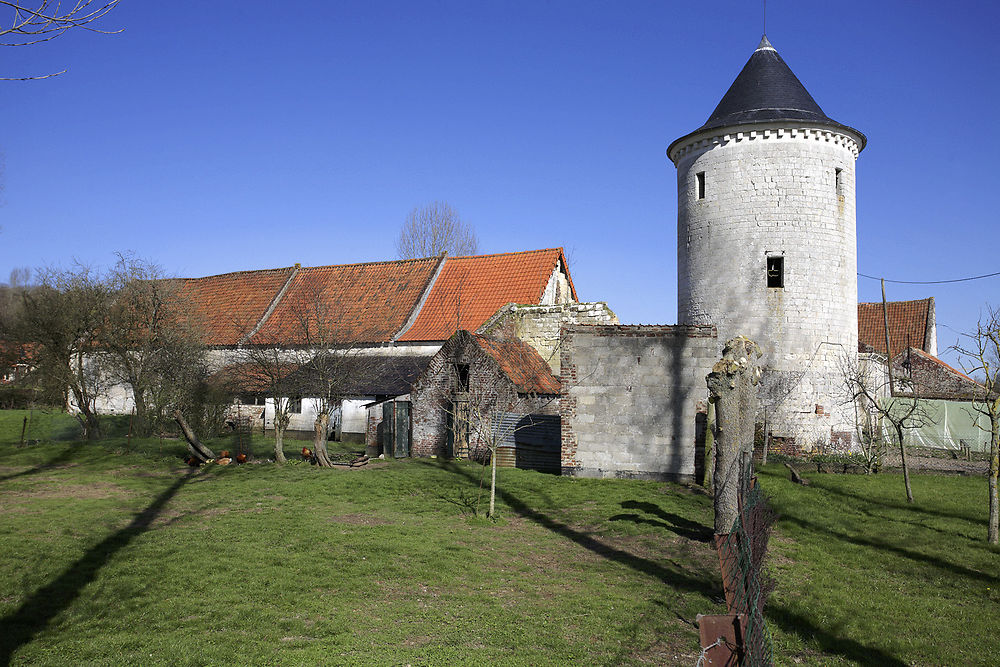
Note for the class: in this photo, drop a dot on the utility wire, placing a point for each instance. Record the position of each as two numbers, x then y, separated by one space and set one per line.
930 282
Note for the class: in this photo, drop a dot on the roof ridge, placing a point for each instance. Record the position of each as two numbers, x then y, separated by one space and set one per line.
879 303
270 308
512 252
236 273
383 262
418 306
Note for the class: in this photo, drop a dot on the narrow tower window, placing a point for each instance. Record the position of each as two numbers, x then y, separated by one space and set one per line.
775 271
462 372
839 175
701 184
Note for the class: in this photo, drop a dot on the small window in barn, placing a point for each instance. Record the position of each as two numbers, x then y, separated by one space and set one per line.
462 377
775 271
295 405
839 176
701 184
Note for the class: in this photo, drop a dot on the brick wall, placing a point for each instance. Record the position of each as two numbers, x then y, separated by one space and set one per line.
489 390
932 378
630 398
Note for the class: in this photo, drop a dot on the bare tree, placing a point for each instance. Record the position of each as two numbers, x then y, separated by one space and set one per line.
433 229
63 318
478 406
869 388
265 368
151 339
32 22
324 341
497 412
981 353
869 371
331 365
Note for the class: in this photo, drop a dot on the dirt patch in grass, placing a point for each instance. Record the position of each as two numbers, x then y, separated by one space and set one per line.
358 519
418 641
60 490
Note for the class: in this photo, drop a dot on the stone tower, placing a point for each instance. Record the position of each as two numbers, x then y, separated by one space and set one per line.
766 242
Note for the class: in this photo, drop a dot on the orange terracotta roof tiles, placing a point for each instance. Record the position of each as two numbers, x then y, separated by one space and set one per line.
907 325
471 289
348 303
226 307
522 364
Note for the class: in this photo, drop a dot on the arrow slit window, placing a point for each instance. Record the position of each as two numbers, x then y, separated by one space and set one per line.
776 272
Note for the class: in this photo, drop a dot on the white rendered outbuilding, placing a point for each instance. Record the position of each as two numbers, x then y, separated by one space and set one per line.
767 245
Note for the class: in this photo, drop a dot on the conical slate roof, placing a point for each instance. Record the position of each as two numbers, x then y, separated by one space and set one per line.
765 91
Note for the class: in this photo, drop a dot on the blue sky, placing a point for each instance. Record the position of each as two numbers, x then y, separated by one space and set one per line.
220 136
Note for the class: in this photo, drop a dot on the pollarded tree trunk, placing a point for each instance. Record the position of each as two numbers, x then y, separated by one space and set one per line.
279 443
993 530
142 423
906 468
320 430
87 418
731 388
710 446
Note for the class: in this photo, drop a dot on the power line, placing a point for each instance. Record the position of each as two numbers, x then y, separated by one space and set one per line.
931 282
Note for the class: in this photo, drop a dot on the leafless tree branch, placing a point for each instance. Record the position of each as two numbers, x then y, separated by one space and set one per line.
981 358
433 229
44 20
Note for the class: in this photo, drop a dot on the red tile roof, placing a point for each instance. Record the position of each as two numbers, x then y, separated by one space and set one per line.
907 325
366 303
348 303
471 289
226 307
522 364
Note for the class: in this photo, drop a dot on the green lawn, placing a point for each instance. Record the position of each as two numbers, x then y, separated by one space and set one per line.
113 557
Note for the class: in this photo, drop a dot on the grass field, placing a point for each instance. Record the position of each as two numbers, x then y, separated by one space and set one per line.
114 557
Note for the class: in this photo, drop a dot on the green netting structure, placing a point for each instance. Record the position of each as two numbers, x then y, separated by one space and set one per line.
951 425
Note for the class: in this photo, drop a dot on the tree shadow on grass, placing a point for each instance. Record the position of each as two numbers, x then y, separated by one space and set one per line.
60 458
817 482
691 530
793 623
788 621
902 552
678 580
19 627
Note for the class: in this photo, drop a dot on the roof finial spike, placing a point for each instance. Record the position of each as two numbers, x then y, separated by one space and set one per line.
764 45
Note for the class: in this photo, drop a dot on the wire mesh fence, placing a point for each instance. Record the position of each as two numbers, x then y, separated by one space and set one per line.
746 585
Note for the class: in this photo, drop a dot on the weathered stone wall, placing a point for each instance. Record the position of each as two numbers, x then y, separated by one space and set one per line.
557 290
775 191
539 326
630 399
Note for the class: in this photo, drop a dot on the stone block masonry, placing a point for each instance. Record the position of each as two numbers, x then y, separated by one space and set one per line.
775 195
540 326
630 396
